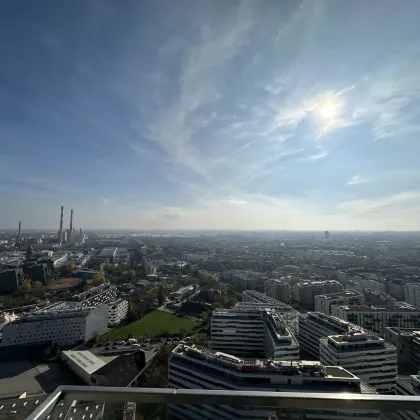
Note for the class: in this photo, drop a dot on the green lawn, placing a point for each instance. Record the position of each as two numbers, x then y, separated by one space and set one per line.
152 324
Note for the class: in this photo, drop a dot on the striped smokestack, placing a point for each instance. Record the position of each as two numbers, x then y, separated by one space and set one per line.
60 233
71 222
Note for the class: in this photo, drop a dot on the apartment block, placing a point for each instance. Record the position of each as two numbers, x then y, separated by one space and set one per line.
191 367
304 293
315 325
253 332
377 318
412 294
278 289
117 311
370 358
323 303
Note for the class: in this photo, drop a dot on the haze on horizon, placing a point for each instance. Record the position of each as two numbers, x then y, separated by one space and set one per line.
186 114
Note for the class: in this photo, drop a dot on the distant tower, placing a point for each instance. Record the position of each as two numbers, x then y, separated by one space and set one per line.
80 232
71 223
18 237
60 232
29 252
326 236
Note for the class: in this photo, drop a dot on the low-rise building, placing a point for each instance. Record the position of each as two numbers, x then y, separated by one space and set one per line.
370 358
323 303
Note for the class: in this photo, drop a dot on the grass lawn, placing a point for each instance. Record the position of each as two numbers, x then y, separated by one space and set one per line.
152 324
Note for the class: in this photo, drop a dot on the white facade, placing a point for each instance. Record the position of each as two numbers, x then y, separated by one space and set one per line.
408 385
117 311
315 325
251 332
377 318
194 368
83 363
64 327
369 357
323 303
278 289
412 294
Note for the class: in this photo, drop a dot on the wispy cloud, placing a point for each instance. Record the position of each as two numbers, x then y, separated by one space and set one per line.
171 213
357 180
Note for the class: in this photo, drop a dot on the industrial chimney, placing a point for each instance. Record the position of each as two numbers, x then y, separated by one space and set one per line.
60 232
18 237
71 223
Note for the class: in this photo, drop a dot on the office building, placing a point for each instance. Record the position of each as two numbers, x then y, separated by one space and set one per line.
412 294
323 303
408 385
377 318
253 332
304 293
278 289
66 327
370 358
199 368
315 325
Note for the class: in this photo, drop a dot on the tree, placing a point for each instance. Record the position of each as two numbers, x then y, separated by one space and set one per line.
98 279
131 274
124 274
67 269
160 294
27 286
37 284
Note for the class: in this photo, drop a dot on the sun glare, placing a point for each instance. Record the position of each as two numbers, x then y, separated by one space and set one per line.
328 110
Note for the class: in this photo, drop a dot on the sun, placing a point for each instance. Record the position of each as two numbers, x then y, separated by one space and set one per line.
328 110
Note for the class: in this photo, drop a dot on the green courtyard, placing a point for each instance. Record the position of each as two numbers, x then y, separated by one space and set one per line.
152 324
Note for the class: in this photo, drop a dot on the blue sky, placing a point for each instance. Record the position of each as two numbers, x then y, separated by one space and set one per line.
268 114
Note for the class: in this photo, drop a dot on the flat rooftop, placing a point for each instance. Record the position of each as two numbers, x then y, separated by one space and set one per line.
382 308
344 294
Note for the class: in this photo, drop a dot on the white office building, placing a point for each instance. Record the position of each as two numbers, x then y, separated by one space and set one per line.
117 311
377 318
64 327
199 368
315 325
323 303
370 358
412 294
408 385
253 332
278 289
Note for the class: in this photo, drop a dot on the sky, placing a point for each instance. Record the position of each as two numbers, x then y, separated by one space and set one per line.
197 114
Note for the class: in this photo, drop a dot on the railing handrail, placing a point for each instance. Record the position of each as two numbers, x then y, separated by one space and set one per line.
298 400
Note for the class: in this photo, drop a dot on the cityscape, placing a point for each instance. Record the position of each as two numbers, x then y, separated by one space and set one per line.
209 210
278 311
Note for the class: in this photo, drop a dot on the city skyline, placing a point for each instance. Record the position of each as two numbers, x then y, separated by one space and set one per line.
212 115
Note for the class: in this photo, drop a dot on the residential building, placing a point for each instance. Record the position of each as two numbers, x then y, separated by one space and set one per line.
200 368
117 311
66 327
304 293
377 318
408 385
315 325
253 332
278 289
323 303
407 343
370 358
412 294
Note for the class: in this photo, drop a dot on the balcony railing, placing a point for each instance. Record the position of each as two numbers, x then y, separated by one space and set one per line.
65 396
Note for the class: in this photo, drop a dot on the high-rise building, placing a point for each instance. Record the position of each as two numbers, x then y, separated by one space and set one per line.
192 368
253 332
377 318
326 236
315 325
412 294
278 289
323 303
370 358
